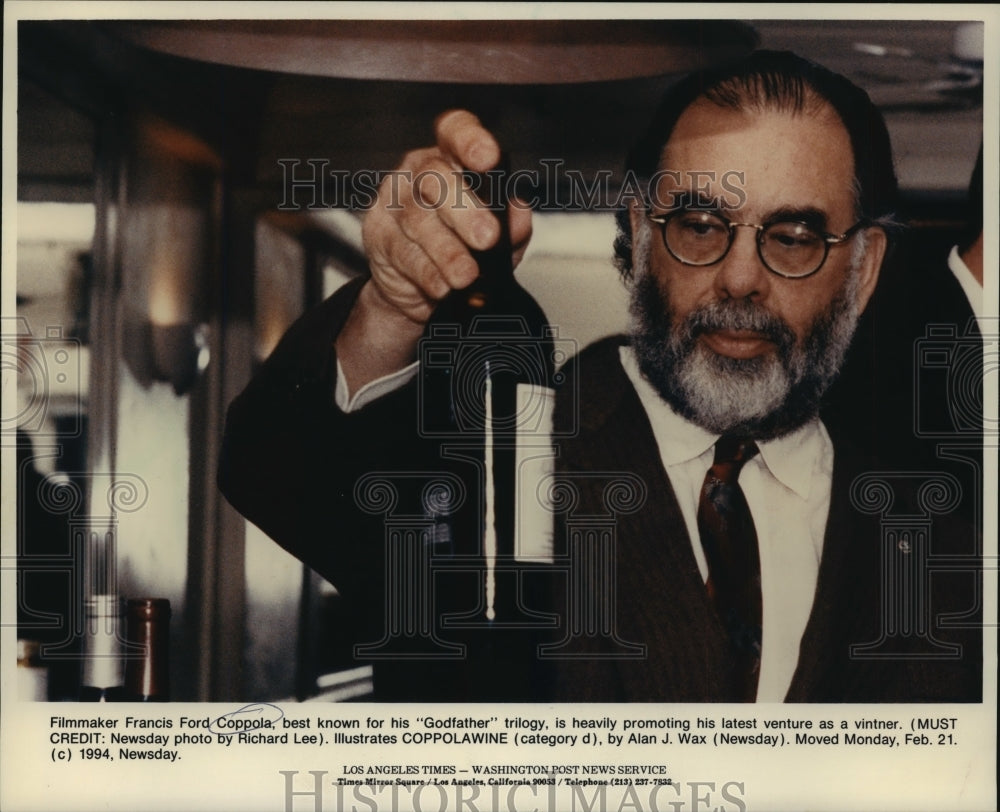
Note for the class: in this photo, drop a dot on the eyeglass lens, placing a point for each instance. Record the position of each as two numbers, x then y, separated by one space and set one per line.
702 238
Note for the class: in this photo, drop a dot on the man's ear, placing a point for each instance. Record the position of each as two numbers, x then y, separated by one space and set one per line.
636 213
876 246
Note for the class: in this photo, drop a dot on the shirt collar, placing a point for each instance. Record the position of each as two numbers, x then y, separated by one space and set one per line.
791 459
970 286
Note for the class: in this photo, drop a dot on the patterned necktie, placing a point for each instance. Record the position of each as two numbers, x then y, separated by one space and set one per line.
730 543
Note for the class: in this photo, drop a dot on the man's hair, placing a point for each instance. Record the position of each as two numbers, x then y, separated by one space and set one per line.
773 81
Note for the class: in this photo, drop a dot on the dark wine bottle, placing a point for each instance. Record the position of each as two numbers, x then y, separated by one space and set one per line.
101 677
147 664
488 369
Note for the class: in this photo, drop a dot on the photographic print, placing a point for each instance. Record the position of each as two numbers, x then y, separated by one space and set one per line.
529 407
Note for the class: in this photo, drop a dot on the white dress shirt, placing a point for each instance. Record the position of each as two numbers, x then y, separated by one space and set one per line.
787 486
372 390
970 285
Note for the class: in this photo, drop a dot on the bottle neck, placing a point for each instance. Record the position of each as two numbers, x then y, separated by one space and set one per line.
496 267
147 665
102 666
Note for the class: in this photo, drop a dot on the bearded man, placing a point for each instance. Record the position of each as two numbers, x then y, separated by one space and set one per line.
752 566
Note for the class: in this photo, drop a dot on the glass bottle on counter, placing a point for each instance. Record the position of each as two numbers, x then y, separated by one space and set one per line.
32 675
147 663
101 678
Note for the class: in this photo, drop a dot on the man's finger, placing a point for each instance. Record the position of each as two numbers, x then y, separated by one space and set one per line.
462 137
519 218
450 255
441 190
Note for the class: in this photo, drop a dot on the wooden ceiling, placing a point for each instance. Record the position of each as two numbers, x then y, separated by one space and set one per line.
74 75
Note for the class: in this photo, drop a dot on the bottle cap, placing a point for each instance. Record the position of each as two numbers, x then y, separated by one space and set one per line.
149 608
29 653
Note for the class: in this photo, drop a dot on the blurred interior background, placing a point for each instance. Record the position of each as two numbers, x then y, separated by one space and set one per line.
186 189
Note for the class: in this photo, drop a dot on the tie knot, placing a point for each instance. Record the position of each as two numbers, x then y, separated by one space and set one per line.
734 451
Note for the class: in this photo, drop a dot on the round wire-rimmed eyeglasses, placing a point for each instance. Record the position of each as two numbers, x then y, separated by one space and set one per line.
788 248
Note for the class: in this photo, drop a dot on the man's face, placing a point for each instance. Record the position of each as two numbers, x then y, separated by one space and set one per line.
733 346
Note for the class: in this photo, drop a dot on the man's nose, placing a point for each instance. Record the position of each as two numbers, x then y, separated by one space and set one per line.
741 274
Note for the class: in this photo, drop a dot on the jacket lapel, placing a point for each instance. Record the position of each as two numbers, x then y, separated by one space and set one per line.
846 586
660 600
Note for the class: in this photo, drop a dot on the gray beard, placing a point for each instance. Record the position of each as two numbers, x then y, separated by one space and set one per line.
763 397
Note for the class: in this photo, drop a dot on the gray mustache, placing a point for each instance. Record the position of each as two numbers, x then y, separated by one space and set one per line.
739 314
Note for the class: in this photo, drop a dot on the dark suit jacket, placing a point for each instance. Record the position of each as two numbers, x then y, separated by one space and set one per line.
912 386
633 620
